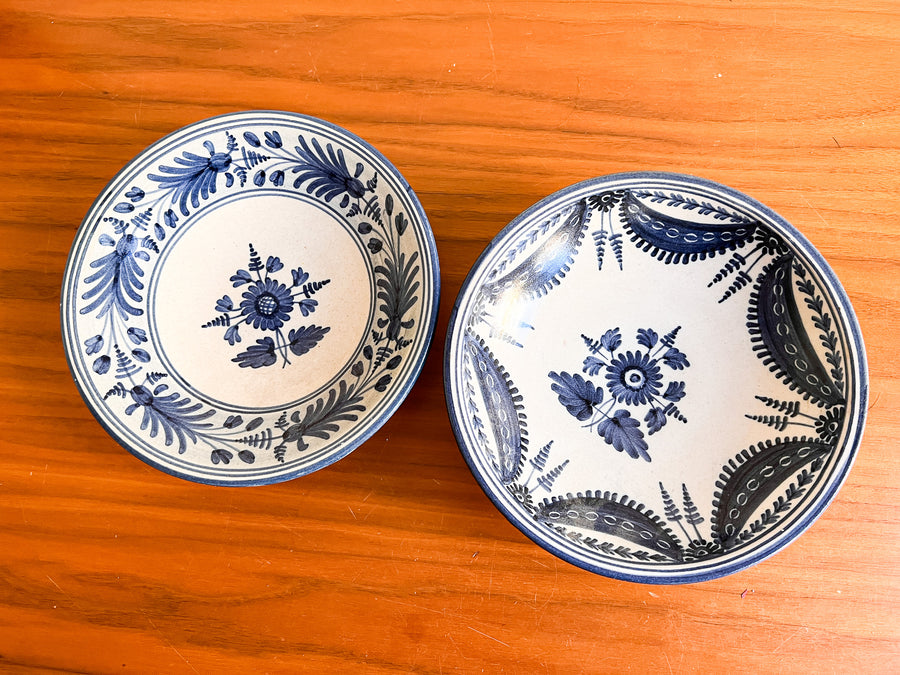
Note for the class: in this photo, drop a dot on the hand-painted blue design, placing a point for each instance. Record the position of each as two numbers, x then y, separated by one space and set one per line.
325 172
688 203
538 273
195 176
181 420
738 267
606 235
780 338
397 292
175 415
543 269
745 485
268 301
321 419
827 424
522 488
266 306
675 240
698 546
750 479
634 379
609 514
502 404
579 396
117 282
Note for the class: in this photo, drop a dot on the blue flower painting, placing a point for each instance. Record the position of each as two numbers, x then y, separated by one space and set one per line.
266 305
636 383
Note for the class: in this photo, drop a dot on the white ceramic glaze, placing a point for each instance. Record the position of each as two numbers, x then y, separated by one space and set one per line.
655 377
250 298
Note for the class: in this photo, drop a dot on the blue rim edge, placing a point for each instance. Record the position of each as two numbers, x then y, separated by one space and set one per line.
854 437
376 424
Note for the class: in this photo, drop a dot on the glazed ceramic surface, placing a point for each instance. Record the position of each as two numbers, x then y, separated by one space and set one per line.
655 377
250 298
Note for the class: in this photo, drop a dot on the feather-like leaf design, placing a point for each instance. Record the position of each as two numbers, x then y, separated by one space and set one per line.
397 286
543 269
116 282
325 171
175 415
610 514
750 479
322 418
503 404
195 176
675 240
780 339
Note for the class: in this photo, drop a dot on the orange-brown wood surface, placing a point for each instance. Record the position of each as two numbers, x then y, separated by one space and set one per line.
393 559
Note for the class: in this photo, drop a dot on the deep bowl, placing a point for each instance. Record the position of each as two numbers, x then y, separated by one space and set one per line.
655 377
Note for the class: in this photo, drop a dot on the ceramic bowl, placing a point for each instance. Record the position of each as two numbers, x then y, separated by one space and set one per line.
655 377
250 298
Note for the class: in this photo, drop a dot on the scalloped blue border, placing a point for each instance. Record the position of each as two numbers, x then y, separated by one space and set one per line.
401 393
853 439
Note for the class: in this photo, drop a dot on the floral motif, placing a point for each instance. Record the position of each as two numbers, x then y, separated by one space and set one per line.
633 379
267 305
195 176
828 424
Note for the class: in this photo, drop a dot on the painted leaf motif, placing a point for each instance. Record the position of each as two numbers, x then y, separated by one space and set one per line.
544 268
194 177
325 171
323 418
608 514
259 355
303 339
231 335
675 240
116 283
655 419
177 417
780 338
502 402
675 359
579 396
623 432
611 340
750 479
647 337
592 365
674 391
397 286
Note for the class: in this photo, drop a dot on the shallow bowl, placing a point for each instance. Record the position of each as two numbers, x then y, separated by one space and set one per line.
250 298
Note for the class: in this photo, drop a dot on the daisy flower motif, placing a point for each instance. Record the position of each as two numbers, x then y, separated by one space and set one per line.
639 390
268 304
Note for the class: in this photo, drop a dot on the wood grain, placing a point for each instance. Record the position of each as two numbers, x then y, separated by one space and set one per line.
393 559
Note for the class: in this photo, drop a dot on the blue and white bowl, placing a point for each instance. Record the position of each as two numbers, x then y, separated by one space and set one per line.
655 377
250 298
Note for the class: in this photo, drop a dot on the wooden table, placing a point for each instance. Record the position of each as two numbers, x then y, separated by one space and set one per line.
393 558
